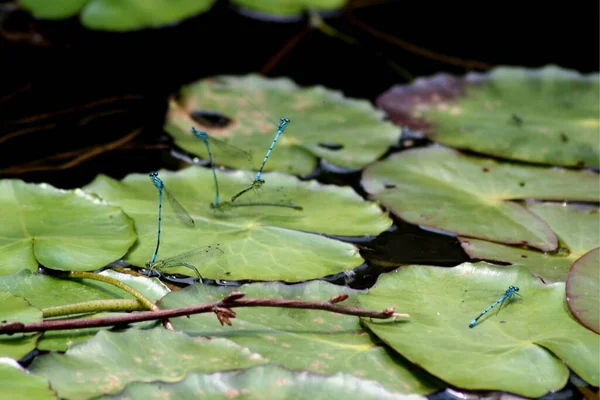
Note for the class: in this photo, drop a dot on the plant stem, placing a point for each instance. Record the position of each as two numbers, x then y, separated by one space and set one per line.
114 305
141 299
115 282
221 308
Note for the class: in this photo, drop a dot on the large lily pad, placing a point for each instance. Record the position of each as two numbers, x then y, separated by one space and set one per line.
287 8
44 291
576 227
346 132
522 349
15 308
317 341
65 230
18 384
268 381
261 243
583 289
110 361
547 115
440 188
123 15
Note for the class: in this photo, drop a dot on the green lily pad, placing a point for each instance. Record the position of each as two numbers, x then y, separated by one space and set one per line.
576 227
345 132
268 381
124 15
522 349
57 9
64 230
547 115
441 188
583 288
108 362
259 243
18 384
316 341
15 308
43 291
286 8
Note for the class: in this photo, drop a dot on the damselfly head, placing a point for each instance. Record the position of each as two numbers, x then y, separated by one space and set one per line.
197 133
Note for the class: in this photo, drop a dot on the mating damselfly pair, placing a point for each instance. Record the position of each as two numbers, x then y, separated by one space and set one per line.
190 258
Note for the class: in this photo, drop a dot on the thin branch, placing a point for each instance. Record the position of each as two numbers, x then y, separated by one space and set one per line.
465 63
26 131
92 104
94 306
287 47
93 152
104 114
221 308
115 282
317 22
17 91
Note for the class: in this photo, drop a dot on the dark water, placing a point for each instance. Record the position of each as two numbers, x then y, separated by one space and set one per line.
73 90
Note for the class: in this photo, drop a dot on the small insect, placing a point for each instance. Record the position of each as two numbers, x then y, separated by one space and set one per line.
225 147
508 294
181 213
515 119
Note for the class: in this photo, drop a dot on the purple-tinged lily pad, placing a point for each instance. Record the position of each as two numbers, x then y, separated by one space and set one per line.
583 288
547 115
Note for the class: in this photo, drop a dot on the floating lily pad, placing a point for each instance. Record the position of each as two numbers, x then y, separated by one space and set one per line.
123 15
57 9
547 115
260 243
583 288
576 227
316 341
15 308
345 132
64 230
268 381
43 291
524 349
440 188
287 8
18 384
108 362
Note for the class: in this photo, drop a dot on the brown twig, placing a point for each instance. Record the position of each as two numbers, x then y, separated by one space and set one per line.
15 92
92 104
33 37
412 48
26 131
287 47
93 152
221 308
103 114
318 23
